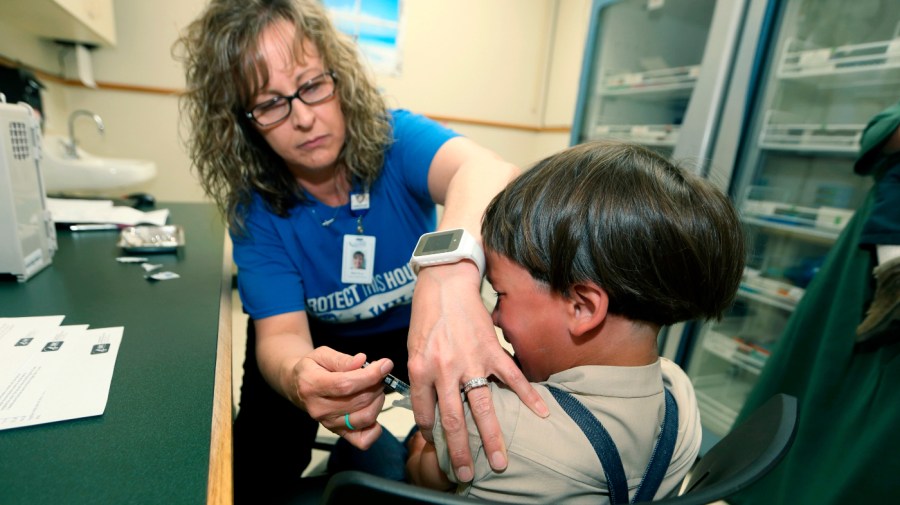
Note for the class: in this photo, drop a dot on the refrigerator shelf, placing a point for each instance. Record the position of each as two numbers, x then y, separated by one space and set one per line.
755 284
713 417
771 298
672 91
812 138
827 218
720 397
803 60
652 135
808 148
736 351
788 132
685 76
792 227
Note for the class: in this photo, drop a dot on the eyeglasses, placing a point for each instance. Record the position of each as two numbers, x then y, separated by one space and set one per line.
316 90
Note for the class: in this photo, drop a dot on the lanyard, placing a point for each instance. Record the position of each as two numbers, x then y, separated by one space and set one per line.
609 455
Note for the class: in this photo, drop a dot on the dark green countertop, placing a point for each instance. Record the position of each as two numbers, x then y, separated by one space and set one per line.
152 444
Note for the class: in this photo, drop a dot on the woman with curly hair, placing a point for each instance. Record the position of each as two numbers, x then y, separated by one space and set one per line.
294 143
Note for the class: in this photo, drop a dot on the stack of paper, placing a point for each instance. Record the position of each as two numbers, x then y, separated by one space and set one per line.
66 210
53 373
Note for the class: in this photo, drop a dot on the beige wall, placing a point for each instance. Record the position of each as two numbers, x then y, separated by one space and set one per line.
514 62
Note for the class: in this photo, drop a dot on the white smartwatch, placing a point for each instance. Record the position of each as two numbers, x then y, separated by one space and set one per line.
448 246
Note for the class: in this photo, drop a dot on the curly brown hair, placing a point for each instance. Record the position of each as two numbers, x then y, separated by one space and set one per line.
224 71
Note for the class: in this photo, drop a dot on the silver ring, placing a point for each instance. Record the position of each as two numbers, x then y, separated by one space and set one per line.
477 382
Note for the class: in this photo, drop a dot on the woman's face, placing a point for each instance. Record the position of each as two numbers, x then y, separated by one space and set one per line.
311 137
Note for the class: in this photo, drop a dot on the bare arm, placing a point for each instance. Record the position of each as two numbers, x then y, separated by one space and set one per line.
323 382
422 466
452 339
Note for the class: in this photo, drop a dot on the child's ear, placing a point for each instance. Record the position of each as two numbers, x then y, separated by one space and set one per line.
588 305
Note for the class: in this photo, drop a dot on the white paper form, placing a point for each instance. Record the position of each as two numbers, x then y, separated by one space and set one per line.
16 336
65 210
67 375
27 369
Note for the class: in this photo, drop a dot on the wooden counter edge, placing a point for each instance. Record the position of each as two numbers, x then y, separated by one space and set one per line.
220 487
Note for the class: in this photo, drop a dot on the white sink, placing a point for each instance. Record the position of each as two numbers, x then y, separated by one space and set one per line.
89 172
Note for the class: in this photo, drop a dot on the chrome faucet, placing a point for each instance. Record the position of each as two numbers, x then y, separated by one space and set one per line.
71 144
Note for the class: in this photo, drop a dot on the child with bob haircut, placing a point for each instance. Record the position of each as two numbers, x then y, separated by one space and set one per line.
591 253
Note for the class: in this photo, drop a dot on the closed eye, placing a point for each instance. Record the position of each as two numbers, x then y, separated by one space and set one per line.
276 102
311 86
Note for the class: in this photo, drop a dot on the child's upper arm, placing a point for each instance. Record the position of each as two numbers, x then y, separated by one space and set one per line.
423 467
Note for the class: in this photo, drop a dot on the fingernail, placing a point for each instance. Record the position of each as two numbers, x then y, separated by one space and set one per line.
386 366
545 412
498 461
464 474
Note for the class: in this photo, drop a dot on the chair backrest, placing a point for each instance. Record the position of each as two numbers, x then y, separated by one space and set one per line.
349 486
743 456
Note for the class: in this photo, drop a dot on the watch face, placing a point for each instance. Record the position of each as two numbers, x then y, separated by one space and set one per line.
438 242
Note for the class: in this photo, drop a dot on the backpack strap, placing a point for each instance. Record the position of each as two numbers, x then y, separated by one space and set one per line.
609 455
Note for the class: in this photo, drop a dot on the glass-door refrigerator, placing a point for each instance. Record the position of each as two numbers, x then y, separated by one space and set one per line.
655 73
805 82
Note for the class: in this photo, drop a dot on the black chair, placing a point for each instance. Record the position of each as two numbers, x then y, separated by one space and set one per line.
741 458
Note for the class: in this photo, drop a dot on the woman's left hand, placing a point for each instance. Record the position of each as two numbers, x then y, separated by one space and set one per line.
451 337
451 341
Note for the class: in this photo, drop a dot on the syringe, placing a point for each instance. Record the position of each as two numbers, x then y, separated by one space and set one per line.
394 383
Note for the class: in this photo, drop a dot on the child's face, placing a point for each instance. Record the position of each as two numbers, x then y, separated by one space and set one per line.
532 317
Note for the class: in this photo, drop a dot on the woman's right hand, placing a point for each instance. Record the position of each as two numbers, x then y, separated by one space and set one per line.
325 383
329 385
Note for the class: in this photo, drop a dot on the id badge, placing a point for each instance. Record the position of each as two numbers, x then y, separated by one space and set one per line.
359 201
358 259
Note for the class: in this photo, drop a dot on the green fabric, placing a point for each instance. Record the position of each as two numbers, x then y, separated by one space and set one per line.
847 448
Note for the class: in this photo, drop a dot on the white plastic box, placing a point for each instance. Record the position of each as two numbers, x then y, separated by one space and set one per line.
27 233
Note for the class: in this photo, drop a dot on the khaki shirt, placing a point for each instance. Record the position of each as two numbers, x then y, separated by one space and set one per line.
551 460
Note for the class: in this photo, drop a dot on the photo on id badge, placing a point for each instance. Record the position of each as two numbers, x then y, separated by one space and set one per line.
358 259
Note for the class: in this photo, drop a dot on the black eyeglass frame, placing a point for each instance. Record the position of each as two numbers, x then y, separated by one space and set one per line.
290 99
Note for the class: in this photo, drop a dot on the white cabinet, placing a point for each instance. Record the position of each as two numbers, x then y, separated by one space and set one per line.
809 87
86 21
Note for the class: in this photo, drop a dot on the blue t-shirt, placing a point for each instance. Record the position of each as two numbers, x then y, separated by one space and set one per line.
293 263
